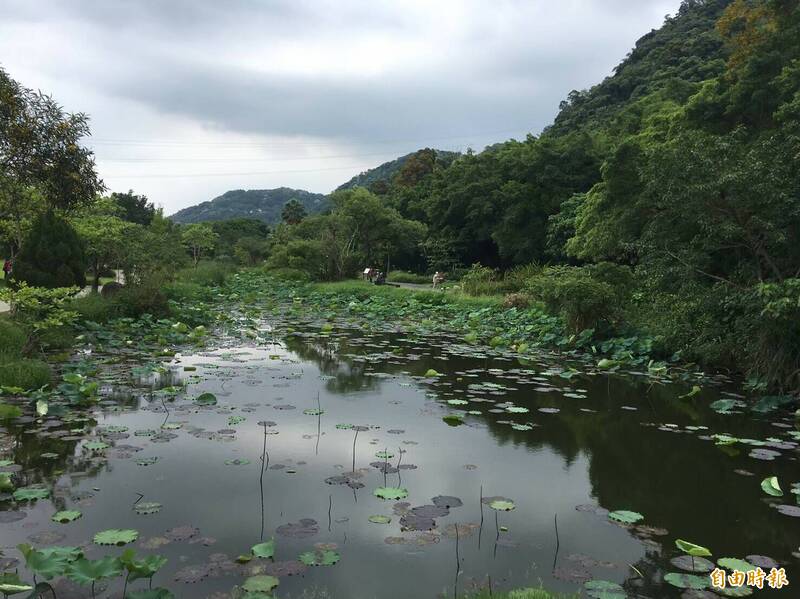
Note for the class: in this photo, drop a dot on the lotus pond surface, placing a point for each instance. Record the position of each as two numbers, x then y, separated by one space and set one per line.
391 465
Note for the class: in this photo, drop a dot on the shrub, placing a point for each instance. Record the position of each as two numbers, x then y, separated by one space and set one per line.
579 294
478 280
517 300
137 300
210 274
93 308
306 255
185 291
57 338
12 339
26 374
52 255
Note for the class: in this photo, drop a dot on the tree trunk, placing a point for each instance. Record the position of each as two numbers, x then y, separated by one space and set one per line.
96 281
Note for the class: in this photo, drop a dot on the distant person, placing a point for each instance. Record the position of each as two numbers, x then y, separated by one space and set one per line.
369 274
7 268
380 278
438 279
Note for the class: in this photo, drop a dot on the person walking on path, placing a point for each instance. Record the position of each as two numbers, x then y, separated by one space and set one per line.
7 267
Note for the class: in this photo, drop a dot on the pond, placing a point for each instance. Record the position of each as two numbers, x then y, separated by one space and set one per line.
498 471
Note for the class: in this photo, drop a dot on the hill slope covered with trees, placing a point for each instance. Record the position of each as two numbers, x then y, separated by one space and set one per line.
261 204
663 203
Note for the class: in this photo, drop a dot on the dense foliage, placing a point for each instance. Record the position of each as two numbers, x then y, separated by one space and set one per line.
53 255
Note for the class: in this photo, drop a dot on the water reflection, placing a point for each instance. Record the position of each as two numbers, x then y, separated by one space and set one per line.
602 442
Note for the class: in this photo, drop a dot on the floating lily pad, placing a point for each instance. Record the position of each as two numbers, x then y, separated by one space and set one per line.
324 557
66 516
692 564
789 510
384 455
264 550
237 462
687 581
380 519
306 527
147 461
625 516
734 563
285 568
206 399
260 584
502 505
431 373
182 533
96 446
604 589
31 493
147 508
313 412
115 536
447 501
517 410
391 493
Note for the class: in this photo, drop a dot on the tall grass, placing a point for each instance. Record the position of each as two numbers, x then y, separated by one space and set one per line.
12 338
26 374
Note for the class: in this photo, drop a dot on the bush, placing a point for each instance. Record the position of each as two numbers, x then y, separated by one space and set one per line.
586 296
52 255
92 308
517 300
12 339
136 300
180 291
478 280
57 338
300 254
209 274
399 276
26 374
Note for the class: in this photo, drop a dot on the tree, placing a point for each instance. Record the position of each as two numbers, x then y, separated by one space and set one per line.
232 230
199 238
105 236
135 208
20 209
40 147
293 212
155 252
52 255
250 250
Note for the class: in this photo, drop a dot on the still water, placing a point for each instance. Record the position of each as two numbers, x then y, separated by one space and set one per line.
566 448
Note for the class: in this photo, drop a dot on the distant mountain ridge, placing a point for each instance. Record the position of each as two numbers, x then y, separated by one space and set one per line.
261 204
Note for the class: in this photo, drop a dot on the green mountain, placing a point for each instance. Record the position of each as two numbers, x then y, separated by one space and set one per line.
386 171
261 204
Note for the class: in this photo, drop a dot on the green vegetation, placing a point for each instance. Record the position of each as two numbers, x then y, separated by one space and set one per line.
399 276
378 179
25 374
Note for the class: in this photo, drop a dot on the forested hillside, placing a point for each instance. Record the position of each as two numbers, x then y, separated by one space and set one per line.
380 177
665 199
261 204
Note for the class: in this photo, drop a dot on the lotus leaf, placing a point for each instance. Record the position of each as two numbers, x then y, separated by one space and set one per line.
115 536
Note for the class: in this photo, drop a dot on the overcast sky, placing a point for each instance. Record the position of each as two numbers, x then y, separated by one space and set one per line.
191 98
